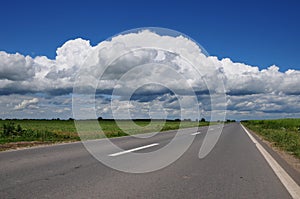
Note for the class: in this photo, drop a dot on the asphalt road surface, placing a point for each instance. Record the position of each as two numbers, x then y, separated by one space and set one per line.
233 169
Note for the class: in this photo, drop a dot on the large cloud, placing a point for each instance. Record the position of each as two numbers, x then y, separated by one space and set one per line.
21 74
24 75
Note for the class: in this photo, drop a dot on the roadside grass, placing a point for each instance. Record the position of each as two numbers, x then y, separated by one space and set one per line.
65 130
282 133
36 130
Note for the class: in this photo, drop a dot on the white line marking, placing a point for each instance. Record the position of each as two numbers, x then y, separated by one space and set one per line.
196 133
291 186
132 150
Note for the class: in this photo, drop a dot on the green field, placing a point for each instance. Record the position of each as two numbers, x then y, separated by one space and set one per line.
65 130
282 133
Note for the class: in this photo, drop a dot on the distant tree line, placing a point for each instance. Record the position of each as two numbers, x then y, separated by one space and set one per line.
108 119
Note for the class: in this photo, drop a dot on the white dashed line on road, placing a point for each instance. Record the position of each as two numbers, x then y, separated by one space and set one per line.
196 133
132 150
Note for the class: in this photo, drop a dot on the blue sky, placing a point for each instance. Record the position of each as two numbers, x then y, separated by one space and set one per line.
259 33
254 44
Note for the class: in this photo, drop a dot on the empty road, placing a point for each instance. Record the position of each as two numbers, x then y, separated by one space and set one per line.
234 169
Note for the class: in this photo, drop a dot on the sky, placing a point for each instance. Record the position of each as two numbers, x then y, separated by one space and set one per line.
260 35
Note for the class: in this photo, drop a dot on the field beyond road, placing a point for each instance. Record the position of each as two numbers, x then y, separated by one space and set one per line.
14 133
282 133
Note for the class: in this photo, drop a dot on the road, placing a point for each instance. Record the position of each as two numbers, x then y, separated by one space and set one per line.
233 169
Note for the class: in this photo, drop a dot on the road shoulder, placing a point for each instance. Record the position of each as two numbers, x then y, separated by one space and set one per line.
287 161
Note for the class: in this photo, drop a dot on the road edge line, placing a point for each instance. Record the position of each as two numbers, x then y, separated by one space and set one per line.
291 186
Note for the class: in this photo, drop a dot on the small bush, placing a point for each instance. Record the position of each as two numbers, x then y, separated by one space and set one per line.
10 129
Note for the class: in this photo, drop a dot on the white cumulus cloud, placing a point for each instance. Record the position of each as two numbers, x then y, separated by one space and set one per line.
32 103
24 75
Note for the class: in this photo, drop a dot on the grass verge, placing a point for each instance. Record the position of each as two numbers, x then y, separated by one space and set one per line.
282 133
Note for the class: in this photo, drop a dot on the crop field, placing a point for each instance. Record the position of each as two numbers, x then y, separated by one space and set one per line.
282 133
65 130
